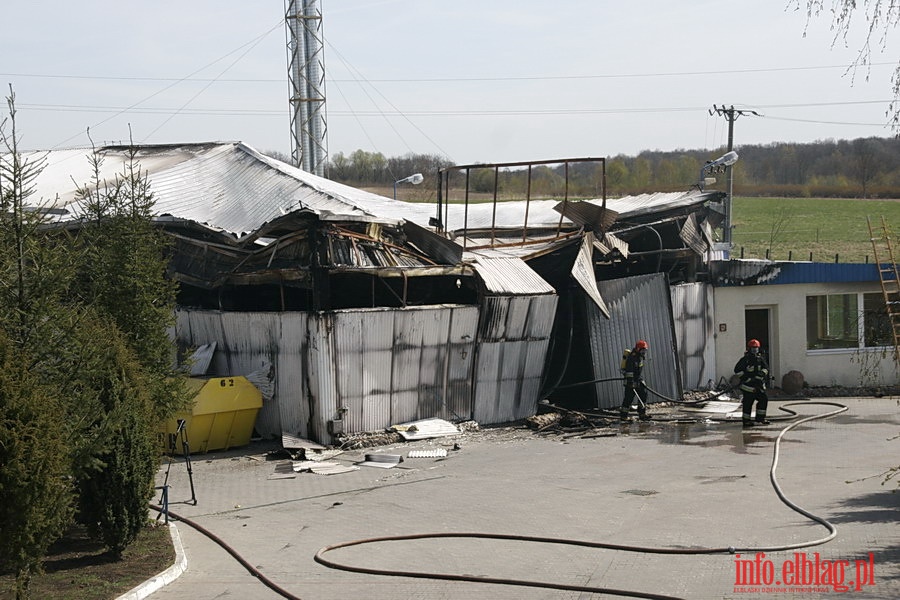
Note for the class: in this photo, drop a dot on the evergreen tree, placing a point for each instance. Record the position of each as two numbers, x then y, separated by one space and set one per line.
35 437
117 482
86 311
124 274
35 470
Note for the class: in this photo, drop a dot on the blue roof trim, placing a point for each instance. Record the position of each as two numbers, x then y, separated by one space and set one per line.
740 272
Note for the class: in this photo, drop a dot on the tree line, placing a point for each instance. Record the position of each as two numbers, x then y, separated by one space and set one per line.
86 365
860 168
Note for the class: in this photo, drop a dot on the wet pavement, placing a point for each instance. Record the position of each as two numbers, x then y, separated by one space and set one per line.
668 485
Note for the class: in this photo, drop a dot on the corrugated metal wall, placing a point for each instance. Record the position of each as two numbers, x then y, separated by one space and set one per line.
640 308
321 381
372 368
394 365
513 337
291 374
693 310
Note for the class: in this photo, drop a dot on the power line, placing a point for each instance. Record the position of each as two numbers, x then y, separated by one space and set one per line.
455 79
825 122
423 113
173 84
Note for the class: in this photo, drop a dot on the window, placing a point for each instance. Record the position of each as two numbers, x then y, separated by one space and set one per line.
836 321
876 323
832 322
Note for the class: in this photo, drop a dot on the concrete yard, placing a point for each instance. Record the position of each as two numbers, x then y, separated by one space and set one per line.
657 484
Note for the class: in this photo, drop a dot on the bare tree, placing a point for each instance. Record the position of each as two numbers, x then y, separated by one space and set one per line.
881 17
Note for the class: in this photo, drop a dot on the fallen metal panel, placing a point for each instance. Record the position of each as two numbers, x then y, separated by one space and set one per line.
583 273
509 276
591 214
640 308
432 244
201 359
609 243
692 235
693 312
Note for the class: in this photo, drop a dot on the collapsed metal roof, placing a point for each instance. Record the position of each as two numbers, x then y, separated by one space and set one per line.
240 217
226 186
234 188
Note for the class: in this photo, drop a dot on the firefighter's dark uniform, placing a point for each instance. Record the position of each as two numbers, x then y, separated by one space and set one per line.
634 384
754 373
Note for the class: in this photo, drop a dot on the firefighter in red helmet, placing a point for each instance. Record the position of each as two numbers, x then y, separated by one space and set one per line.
634 382
754 374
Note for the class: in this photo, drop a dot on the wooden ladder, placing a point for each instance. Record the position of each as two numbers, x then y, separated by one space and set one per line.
890 279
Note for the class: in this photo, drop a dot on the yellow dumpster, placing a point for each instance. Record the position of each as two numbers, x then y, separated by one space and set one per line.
222 416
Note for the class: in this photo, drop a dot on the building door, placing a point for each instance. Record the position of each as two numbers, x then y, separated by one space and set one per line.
757 325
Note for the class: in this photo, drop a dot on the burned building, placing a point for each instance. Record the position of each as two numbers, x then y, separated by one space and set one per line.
358 311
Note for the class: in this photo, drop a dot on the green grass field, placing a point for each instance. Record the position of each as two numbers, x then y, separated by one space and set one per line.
795 227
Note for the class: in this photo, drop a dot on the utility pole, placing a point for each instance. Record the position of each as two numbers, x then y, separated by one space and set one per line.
731 115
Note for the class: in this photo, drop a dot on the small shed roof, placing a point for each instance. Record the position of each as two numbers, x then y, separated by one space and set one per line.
764 272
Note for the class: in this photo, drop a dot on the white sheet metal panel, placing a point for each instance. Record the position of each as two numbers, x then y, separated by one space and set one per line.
409 334
504 275
291 383
349 364
541 315
324 400
389 366
512 349
583 272
693 310
245 342
460 397
640 308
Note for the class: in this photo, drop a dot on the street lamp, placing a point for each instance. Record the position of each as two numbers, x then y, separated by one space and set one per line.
413 179
726 160
720 164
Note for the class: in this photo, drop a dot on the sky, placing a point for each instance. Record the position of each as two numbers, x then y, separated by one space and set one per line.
470 80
